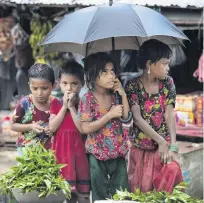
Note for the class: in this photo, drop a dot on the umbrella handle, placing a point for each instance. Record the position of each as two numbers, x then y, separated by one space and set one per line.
118 101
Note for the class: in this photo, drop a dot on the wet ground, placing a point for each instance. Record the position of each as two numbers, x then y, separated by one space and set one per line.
7 158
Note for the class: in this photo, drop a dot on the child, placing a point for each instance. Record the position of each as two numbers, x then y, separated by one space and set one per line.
32 114
154 156
99 114
68 142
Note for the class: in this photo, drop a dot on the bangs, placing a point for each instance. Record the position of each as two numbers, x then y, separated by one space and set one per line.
94 65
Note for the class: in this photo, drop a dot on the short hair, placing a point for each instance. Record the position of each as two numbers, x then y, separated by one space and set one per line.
71 67
42 71
154 51
94 65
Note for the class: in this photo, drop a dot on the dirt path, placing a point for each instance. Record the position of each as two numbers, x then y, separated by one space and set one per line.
7 158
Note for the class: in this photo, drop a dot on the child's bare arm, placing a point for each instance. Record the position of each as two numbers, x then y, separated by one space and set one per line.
77 122
126 107
90 127
56 120
119 88
18 127
72 108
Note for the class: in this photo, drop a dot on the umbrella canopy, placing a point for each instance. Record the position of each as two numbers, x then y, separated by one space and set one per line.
93 29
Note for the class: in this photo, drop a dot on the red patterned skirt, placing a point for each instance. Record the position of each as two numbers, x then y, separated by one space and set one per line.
146 172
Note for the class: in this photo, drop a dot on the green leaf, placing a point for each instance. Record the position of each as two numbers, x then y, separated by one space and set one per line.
37 171
48 183
137 191
157 197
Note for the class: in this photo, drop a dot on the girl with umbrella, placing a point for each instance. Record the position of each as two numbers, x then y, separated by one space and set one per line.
153 159
106 143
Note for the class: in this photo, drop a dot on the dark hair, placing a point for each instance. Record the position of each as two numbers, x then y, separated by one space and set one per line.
42 71
153 50
94 65
73 68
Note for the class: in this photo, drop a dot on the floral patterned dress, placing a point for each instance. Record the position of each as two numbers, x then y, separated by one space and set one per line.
109 142
146 171
152 108
26 113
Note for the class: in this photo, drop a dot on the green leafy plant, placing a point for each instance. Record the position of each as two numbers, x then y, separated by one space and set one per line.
36 171
157 197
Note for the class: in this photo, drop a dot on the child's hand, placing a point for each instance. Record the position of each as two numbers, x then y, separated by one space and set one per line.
173 156
118 87
65 99
129 143
36 127
163 151
116 111
72 100
47 131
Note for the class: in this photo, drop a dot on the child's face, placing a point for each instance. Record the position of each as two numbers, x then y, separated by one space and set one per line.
70 83
107 77
41 89
160 69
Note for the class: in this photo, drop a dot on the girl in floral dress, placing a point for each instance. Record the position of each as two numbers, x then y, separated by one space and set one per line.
153 158
99 114
32 113
68 143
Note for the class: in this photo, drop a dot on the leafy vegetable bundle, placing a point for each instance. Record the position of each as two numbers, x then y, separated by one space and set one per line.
36 171
157 197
